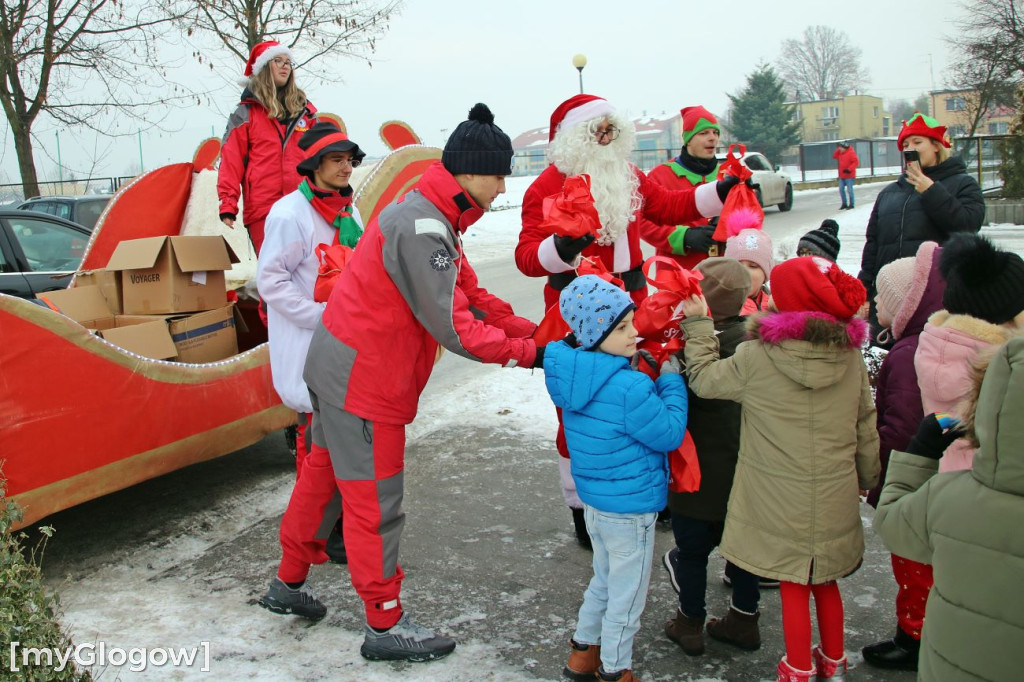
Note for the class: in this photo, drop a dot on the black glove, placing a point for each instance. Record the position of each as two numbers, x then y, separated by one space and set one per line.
936 433
698 239
538 362
646 356
568 248
724 185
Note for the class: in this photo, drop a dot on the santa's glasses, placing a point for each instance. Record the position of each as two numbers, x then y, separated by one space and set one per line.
610 133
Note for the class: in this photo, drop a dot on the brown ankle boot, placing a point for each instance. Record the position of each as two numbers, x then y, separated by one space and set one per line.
623 676
687 632
584 661
738 629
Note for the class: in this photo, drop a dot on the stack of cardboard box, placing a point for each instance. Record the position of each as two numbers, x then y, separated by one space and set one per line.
159 297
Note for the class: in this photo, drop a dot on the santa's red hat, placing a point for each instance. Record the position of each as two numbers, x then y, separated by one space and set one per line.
577 109
816 284
261 55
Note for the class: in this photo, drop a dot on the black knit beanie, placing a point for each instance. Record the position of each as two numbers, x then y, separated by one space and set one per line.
823 242
478 147
982 280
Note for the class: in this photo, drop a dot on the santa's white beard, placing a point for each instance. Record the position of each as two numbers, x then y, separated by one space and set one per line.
613 182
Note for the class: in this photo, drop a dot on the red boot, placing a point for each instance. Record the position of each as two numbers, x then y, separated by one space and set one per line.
827 668
788 673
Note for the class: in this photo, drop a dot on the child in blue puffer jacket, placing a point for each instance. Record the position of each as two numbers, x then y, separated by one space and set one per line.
619 425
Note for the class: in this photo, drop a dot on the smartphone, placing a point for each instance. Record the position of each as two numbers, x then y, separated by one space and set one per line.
910 155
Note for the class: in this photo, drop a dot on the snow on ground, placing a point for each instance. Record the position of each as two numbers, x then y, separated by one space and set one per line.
131 601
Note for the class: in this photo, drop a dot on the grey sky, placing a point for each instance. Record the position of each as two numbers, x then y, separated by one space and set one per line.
442 56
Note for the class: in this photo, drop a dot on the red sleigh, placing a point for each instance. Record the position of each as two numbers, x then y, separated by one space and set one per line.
81 417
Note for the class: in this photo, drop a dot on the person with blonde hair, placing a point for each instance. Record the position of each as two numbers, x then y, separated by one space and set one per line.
260 147
933 199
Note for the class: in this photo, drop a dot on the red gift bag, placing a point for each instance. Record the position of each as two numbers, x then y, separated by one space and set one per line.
333 259
571 212
657 317
684 467
741 209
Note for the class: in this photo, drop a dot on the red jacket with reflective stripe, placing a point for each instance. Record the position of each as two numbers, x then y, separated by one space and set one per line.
408 288
255 157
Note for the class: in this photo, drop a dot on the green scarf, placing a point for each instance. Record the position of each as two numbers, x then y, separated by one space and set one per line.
336 210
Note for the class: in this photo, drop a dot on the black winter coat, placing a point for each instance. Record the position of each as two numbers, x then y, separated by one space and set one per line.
715 428
902 218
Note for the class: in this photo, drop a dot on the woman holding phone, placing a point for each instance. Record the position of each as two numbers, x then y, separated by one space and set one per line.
934 198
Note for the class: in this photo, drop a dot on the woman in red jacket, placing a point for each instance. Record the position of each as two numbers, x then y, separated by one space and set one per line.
848 163
261 144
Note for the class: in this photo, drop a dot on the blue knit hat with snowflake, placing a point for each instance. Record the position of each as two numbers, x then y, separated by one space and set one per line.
592 307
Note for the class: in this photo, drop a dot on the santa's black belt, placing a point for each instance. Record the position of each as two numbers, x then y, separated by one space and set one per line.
633 279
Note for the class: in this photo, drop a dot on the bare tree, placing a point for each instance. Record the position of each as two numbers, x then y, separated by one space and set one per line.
989 61
319 28
823 64
902 109
82 63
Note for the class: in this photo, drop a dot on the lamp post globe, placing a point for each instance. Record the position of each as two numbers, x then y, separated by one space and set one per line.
579 61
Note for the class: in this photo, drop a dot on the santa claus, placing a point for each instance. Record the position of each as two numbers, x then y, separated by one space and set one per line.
588 136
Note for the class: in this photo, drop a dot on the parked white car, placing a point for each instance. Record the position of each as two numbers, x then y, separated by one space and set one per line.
771 185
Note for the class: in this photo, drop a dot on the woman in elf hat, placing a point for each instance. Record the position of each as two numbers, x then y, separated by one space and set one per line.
808 444
260 149
933 199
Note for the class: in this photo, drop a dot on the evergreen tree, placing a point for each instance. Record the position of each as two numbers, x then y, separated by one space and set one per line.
760 117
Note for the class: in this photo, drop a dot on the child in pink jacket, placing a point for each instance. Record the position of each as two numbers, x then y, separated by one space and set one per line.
984 307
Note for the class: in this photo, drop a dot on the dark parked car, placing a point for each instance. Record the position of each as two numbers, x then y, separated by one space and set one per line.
38 252
84 210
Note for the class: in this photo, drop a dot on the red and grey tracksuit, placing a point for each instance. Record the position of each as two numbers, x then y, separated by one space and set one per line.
407 289
258 157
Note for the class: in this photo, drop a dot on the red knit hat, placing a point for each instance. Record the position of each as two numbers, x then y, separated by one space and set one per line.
925 126
261 55
696 119
577 109
816 284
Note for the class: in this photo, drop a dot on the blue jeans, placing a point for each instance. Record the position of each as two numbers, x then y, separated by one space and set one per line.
615 598
696 539
846 188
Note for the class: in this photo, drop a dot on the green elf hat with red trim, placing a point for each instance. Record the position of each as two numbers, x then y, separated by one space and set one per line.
696 119
925 126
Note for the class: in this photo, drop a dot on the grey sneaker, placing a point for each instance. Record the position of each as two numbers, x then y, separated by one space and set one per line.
405 641
282 599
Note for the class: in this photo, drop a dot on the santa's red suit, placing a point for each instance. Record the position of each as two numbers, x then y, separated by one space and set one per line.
536 255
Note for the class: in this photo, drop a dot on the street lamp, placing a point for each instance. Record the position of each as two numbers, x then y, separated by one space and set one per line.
579 61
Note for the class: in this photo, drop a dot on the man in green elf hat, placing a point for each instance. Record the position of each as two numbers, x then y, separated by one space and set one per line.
695 165
320 211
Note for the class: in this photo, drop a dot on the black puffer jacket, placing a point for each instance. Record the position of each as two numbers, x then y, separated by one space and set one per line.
902 219
715 428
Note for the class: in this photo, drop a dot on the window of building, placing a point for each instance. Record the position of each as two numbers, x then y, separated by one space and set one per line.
999 128
956 104
957 131
874 111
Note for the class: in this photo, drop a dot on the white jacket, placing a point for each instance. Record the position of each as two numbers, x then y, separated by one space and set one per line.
285 275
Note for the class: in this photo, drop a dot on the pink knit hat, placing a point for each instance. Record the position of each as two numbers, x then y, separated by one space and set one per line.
913 291
893 283
752 245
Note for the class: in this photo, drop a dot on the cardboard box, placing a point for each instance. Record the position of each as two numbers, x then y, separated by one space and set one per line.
109 283
84 305
149 338
172 274
207 336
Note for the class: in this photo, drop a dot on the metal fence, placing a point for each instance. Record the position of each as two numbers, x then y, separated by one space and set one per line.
812 161
14 193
